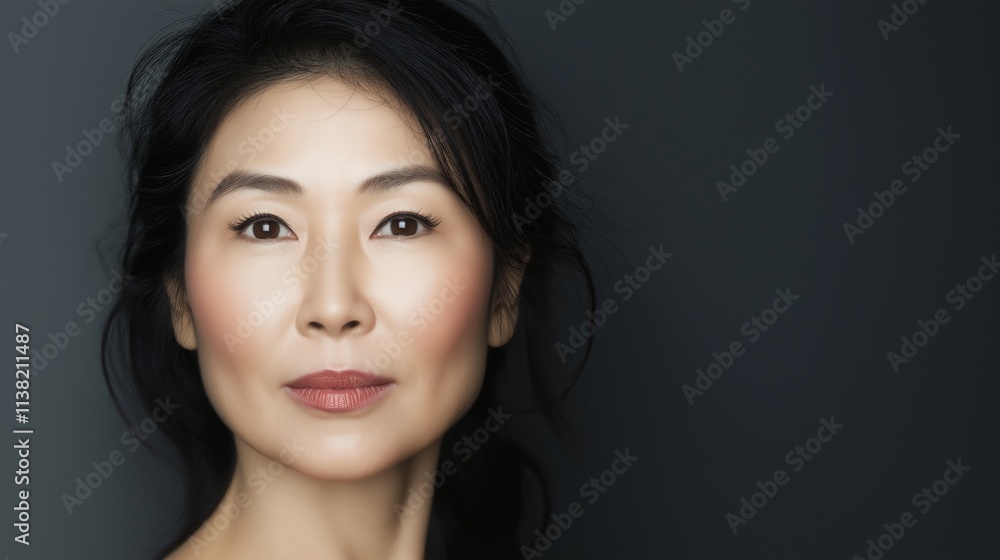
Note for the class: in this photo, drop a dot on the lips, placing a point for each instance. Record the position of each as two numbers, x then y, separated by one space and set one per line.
339 391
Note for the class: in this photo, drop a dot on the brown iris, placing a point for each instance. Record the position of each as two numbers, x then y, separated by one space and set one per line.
266 229
403 226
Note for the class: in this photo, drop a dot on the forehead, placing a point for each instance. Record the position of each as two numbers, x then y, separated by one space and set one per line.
318 130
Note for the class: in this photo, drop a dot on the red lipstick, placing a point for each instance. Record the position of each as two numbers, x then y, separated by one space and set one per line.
339 391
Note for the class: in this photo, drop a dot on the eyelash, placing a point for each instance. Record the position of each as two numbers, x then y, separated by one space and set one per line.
428 220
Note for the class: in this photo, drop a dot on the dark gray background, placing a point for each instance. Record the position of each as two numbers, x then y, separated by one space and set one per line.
825 356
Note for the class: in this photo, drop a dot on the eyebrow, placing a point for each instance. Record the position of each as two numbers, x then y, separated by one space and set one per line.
375 184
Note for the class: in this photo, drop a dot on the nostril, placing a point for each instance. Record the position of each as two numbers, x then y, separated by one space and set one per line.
348 325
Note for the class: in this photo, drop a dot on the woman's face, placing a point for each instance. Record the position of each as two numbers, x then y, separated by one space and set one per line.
319 240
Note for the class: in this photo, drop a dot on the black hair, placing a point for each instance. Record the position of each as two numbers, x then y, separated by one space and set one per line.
433 58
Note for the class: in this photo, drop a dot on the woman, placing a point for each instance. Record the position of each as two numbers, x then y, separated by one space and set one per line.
334 247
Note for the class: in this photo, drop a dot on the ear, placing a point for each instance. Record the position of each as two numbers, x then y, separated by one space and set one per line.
180 314
503 316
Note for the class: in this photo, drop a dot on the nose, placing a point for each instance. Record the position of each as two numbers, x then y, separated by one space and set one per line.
333 301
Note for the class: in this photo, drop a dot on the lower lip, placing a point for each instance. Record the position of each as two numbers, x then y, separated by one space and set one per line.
339 400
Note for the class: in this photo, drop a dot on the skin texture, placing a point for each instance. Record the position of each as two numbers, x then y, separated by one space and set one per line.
338 288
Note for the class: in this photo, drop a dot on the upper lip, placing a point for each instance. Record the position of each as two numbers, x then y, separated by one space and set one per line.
339 379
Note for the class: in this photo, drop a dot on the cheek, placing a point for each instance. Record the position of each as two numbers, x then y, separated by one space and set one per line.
456 314
447 320
235 303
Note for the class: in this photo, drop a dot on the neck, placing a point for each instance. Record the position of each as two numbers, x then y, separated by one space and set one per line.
272 511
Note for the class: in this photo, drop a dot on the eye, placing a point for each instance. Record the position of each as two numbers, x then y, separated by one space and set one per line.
262 227
406 224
